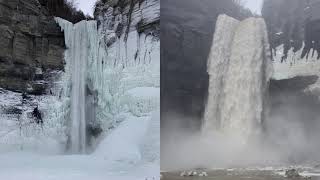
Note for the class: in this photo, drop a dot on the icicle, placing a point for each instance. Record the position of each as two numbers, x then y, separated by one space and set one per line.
81 42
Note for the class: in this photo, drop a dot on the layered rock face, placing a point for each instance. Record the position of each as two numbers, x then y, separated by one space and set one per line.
31 63
119 17
32 45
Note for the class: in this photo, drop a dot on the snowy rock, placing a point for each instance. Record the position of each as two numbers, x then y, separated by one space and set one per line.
30 39
193 173
123 17
189 173
292 173
110 38
22 130
295 64
183 173
128 62
203 173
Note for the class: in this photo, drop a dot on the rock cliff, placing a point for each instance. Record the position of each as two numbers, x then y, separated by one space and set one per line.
32 45
119 17
129 33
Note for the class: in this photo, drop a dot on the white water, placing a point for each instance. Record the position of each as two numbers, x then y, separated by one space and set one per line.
239 69
80 40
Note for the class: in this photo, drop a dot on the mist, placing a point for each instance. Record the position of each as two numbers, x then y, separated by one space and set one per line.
287 134
184 150
289 137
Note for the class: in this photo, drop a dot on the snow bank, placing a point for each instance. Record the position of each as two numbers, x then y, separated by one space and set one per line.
294 65
122 144
134 140
131 151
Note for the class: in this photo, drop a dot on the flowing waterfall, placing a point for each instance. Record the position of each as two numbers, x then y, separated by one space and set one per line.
239 67
81 41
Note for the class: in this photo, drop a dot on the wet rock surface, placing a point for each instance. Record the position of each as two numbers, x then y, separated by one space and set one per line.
292 173
30 40
118 17
298 83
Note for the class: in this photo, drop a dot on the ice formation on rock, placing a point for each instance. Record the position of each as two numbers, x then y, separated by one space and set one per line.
239 68
118 82
131 60
123 77
294 65
19 130
81 42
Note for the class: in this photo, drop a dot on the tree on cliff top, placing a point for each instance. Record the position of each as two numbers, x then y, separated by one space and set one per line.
66 9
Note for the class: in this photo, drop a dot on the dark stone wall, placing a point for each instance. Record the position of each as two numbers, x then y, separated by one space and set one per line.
31 45
294 118
292 22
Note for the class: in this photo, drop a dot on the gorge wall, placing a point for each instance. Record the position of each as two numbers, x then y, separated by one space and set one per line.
31 59
32 46
293 28
129 31
129 41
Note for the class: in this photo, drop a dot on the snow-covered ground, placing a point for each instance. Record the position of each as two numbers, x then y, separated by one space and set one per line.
19 130
294 65
118 157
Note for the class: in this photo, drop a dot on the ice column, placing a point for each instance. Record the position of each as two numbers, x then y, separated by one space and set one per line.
80 40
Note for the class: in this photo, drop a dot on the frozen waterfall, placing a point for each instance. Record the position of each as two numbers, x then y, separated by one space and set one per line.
80 40
239 67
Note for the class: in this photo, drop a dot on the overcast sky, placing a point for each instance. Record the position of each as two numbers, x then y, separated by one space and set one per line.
86 6
254 5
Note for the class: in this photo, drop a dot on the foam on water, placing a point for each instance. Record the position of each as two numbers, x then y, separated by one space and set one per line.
80 40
